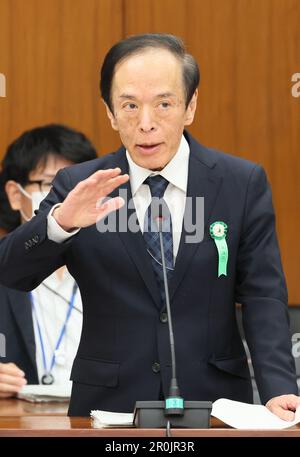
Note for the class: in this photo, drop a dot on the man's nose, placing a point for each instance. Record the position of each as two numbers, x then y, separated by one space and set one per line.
146 121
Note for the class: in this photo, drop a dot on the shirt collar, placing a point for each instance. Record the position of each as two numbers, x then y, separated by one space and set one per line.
176 171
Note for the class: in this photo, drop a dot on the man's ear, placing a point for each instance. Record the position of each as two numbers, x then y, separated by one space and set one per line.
191 109
111 117
13 194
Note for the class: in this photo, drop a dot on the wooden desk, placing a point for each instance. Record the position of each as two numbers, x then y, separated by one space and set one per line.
22 419
15 407
59 426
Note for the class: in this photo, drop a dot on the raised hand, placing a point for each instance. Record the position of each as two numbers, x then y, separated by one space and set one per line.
82 207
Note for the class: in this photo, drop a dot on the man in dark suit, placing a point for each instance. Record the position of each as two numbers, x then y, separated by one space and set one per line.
27 170
149 85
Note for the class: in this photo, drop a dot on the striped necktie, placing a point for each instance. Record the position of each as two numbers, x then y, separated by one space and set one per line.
158 206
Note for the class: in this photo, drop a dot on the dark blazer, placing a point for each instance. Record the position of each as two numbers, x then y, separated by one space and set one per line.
124 352
17 326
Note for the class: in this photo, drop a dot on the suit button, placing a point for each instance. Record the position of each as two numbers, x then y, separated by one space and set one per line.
156 367
163 318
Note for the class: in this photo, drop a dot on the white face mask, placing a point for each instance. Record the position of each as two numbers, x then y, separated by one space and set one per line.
35 197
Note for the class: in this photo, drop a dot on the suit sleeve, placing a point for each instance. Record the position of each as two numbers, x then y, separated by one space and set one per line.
27 256
261 290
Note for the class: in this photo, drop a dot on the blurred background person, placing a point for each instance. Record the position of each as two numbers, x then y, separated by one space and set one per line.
42 328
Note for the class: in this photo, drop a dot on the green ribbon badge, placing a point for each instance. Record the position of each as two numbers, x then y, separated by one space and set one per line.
218 231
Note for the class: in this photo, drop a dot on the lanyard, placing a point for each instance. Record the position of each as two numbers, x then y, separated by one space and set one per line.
61 334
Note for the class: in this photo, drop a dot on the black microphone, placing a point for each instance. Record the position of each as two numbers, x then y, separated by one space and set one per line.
174 404
174 410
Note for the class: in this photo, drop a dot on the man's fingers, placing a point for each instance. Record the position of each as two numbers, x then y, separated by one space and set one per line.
12 379
8 389
11 369
7 395
293 402
16 381
283 413
103 186
113 183
103 175
284 406
112 204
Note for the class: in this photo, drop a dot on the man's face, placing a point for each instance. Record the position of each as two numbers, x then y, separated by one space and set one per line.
149 111
39 180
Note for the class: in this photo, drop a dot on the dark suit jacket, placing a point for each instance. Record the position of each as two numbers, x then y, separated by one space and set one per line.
17 326
124 351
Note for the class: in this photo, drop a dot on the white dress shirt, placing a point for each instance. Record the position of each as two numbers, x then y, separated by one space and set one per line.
176 172
51 300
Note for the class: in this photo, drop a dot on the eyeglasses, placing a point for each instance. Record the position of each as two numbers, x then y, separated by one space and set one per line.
44 186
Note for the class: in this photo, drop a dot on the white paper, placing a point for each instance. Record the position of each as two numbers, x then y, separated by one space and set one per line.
102 419
246 416
45 393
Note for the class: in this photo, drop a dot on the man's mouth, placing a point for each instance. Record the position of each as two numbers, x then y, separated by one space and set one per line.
148 148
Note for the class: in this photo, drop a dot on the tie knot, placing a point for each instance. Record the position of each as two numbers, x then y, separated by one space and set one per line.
157 184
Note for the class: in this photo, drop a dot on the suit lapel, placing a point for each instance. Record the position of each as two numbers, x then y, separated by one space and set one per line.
21 308
203 181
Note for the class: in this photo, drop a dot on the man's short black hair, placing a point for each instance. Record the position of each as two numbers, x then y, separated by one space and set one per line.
32 149
137 43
